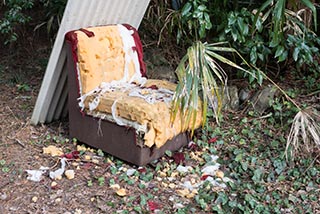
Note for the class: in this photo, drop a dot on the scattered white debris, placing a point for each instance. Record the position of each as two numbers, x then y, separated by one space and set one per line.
69 174
36 175
54 184
178 206
226 180
59 172
34 199
211 169
183 169
188 185
3 196
131 172
214 158
214 182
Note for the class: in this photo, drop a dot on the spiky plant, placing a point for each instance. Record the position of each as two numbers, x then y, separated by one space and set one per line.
200 75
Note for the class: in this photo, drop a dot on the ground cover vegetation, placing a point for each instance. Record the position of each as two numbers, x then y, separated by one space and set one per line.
243 165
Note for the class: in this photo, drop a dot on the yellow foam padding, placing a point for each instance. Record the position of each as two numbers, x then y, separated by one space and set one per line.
101 57
155 116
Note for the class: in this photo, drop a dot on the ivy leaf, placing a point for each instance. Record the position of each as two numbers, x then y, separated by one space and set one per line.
257 175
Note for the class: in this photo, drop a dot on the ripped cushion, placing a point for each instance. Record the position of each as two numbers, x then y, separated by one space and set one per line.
148 105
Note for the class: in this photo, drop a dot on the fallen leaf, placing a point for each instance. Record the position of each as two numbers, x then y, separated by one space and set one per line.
162 174
153 205
142 170
121 192
115 186
219 174
172 185
95 161
81 148
204 177
193 146
178 157
72 155
212 140
183 192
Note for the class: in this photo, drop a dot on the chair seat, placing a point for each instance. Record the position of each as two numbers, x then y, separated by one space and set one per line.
147 106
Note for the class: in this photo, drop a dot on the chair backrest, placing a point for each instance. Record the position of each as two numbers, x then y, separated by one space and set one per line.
105 54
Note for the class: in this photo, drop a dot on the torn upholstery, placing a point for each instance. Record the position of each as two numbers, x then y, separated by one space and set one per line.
113 84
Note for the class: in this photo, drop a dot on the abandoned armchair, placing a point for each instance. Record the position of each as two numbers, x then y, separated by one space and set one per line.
112 104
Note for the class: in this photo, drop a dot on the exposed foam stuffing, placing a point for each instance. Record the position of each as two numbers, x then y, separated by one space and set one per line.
104 58
153 113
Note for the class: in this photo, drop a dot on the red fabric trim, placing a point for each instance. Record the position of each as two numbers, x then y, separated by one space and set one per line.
153 87
71 37
87 32
138 48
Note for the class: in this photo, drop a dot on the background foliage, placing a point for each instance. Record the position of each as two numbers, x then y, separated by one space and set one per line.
17 16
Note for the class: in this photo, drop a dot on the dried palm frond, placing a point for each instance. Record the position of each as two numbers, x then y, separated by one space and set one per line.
304 135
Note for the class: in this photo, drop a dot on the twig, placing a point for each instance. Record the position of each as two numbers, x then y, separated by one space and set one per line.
20 143
12 113
262 117
311 164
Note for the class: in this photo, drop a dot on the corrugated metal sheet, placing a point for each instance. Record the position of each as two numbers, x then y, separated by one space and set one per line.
52 99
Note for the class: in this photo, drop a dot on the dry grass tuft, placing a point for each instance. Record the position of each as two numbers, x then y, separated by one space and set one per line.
304 135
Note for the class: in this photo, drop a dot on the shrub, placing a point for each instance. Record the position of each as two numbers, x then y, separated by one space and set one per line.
13 17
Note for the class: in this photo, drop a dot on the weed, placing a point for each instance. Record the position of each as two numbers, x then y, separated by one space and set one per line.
5 167
89 183
101 181
23 87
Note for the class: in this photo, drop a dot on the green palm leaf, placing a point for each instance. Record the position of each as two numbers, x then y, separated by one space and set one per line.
200 75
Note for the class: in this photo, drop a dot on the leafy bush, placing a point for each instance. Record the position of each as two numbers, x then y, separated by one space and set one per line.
13 17
195 20
17 13
273 36
54 11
